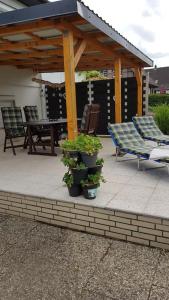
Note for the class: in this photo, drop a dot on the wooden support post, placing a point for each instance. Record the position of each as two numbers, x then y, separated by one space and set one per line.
138 74
69 68
117 69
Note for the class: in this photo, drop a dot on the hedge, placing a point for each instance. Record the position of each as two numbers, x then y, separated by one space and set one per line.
158 99
162 117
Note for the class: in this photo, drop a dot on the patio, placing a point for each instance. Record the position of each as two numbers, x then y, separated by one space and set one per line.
132 205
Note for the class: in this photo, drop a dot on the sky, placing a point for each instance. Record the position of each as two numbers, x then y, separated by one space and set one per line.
145 23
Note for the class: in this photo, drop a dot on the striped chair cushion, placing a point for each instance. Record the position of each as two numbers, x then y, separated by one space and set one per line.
31 113
149 129
147 126
127 138
13 122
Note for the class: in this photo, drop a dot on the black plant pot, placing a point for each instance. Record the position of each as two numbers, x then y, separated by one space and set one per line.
89 160
94 170
89 191
79 175
75 190
71 153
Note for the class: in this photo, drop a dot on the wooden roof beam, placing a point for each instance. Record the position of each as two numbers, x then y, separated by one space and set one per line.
108 50
6 46
32 26
34 53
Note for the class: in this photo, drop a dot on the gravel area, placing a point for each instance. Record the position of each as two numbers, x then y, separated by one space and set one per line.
42 262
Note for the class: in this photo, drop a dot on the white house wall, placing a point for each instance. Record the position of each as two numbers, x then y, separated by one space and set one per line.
60 77
17 85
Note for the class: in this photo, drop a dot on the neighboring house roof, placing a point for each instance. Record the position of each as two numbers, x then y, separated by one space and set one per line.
33 2
160 76
152 83
104 43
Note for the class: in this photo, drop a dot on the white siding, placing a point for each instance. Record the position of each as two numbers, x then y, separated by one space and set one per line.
18 85
60 77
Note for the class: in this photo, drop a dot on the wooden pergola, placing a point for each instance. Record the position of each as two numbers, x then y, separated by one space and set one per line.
66 36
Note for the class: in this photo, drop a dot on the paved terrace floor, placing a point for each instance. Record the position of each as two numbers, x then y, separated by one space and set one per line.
42 262
126 189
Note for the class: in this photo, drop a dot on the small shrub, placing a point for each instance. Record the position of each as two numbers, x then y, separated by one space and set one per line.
162 117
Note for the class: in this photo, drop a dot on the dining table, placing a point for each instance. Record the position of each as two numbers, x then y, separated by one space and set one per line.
52 127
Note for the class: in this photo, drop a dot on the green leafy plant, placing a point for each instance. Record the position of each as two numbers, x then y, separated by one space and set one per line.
69 145
69 162
162 117
80 166
93 179
88 144
99 162
73 163
68 179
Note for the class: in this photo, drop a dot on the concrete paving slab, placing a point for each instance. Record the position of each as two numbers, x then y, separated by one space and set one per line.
102 199
158 204
131 198
127 189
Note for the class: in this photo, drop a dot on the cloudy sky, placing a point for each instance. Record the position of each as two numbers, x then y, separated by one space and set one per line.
145 23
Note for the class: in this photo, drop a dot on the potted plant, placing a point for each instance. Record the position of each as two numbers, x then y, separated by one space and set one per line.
91 184
74 189
78 169
69 148
98 167
69 162
88 146
79 173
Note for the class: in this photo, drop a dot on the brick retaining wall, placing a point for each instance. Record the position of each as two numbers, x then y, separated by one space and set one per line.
134 228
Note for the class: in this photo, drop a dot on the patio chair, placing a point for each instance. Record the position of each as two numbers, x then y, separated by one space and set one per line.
149 130
127 140
90 119
31 114
94 118
13 126
85 119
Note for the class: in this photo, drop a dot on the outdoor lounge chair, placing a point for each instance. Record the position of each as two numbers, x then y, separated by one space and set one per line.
149 130
13 125
127 140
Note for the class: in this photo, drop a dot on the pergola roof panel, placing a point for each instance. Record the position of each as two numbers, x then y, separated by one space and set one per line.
48 33
32 38
86 27
17 37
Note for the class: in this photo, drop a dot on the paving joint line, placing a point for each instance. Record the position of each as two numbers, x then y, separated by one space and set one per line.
101 260
158 261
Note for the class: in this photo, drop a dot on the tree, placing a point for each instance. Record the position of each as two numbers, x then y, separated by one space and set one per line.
93 75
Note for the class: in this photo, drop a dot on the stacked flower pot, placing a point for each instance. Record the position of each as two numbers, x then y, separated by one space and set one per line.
84 168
